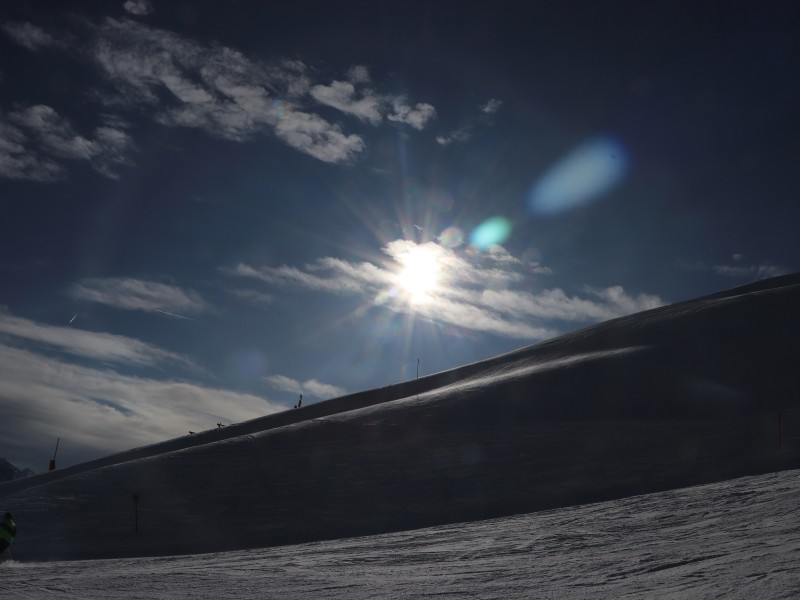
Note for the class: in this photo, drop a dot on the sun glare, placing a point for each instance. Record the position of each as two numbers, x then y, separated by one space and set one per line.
419 275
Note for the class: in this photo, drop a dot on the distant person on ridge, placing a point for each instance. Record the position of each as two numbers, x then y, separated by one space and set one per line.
8 529
300 402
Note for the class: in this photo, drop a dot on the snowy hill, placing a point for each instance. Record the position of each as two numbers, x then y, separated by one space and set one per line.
733 539
676 396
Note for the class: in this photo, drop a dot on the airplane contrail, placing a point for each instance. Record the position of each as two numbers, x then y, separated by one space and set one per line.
173 314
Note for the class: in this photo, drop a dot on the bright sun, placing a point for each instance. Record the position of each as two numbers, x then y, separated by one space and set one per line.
419 275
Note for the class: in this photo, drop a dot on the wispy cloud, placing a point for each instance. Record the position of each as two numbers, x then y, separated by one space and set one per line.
416 116
218 89
29 35
104 347
369 105
476 291
492 106
462 134
467 130
97 412
311 387
136 294
214 88
139 8
316 137
754 272
35 141
342 96
738 270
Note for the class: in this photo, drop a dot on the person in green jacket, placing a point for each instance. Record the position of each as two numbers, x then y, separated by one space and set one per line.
8 529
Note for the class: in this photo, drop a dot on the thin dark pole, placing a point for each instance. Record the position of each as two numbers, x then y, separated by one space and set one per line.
418 368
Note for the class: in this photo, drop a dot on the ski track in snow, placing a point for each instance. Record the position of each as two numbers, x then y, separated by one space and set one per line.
734 539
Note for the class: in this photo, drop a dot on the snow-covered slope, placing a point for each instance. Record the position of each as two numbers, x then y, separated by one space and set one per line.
735 539
681 395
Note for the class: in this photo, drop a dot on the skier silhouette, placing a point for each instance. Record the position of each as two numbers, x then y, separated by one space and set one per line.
8 529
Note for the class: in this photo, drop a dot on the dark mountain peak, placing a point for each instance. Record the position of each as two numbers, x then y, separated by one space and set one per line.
9 471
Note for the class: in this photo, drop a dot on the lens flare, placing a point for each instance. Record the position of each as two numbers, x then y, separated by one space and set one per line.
281 109
384 296
452 237
584 175
492 231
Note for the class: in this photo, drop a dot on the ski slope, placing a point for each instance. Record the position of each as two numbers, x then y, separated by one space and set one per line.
678 396
734 539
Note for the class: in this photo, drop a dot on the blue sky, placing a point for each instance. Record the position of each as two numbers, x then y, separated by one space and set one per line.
209 208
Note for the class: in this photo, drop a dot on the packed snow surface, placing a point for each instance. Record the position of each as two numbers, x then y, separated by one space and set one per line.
733 539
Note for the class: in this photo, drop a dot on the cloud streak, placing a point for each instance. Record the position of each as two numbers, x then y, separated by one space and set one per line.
105 347
748 272
311 387
30 36
476 291
135 294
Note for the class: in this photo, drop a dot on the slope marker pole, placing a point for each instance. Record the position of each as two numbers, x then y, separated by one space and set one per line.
53 461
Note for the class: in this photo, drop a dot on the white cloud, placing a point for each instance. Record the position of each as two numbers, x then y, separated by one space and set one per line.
492 106
284 384
311 387
463 134
342 96
19 160
136 294
35 141
751 272
417 117
54 132
97 412
324 391
183 83
476 291
104 347
138 7
221 91
29 35
335 276
313 135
